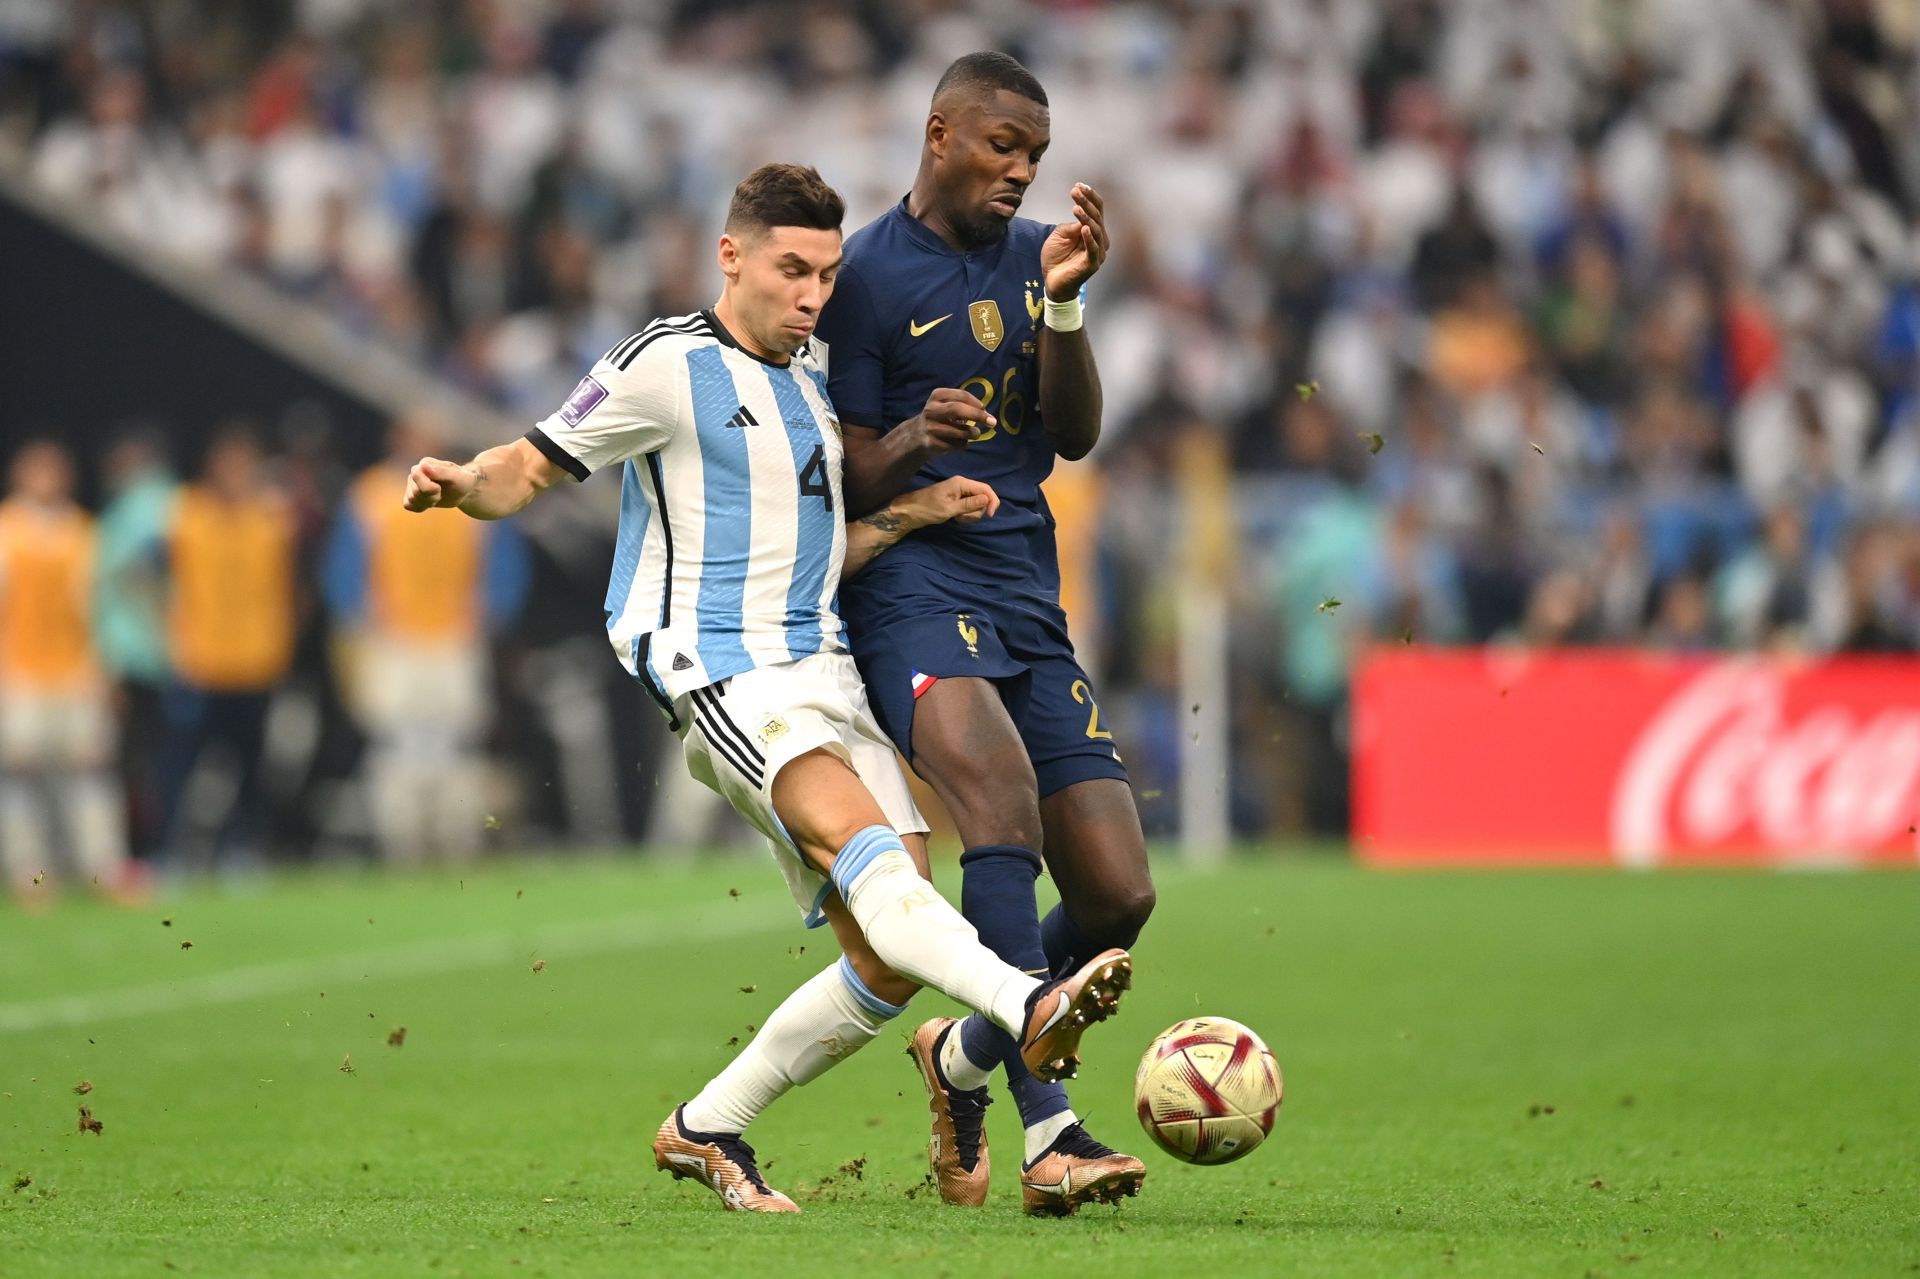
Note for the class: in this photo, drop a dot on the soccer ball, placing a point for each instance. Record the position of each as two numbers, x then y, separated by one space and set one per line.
1207 1090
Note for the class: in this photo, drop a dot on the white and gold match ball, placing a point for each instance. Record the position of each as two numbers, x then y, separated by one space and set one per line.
1207 1090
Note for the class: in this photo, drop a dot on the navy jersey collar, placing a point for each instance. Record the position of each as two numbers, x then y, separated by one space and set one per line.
727 339
925 236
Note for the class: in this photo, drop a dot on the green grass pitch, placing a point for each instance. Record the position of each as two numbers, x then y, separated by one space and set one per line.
1562 1074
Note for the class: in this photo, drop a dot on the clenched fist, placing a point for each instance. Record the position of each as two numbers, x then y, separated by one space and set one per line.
433 482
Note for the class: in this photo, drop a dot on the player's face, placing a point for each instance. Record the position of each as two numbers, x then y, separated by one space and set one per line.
779 280
987 153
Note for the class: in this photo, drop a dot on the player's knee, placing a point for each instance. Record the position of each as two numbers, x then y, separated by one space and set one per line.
881 980
1116 916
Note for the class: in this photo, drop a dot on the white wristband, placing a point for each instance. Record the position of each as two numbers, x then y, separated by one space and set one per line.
1065 317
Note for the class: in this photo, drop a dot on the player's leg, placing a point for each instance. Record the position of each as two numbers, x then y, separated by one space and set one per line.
821 803
966 746
832 1016
821 1024
941 685
819 807
1095 850
1096 855
839 829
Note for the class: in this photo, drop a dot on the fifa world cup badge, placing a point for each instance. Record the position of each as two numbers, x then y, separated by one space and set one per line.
987 327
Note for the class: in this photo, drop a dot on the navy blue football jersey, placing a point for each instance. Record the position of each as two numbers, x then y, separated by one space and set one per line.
910 314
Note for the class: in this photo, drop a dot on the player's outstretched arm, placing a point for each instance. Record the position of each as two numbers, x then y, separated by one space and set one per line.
1069 382
878 466
494 485
957 498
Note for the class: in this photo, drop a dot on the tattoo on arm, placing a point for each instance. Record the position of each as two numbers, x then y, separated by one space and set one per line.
890 524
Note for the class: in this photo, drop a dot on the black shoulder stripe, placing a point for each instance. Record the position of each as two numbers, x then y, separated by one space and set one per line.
558 456
649 338
625 346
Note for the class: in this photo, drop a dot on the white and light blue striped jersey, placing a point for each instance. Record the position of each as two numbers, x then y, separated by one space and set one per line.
731 522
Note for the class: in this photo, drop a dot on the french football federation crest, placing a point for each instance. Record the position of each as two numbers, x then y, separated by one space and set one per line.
970 636
1035 305
987 327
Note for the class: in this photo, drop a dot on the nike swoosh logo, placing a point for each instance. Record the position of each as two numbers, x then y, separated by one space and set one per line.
917 329
1058 1013
1061 1189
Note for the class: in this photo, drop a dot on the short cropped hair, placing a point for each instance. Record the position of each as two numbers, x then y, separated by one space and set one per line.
776 195
983 73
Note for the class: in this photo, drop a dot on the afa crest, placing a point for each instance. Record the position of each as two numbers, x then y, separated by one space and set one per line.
988 329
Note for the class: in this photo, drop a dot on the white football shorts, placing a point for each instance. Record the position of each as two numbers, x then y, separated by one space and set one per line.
70 729
739 733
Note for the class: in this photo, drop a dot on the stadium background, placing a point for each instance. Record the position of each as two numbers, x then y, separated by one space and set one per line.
1625 293
1513 401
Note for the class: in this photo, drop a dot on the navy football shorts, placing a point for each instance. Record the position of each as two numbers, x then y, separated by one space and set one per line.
945 629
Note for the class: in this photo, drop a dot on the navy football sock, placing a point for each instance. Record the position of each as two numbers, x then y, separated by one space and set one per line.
996 896
1066 946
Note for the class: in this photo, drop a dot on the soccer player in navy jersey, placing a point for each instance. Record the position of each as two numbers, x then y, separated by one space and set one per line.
958 632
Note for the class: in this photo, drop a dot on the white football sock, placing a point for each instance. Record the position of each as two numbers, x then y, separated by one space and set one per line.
1041 1135
819 1025
958 1067
915 932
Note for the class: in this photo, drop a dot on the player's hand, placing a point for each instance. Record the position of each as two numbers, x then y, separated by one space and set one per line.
956 498
951 420
1075 250
433 482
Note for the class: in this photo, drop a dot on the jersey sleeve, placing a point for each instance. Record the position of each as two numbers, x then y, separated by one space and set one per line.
615 412
856 361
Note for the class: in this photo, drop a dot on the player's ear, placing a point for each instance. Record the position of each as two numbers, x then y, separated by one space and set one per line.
730 251
937 134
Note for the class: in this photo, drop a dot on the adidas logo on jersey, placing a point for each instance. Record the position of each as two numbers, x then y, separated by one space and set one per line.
743 418
681 662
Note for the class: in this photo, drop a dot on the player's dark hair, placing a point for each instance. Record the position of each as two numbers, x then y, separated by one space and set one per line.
776 195
984 72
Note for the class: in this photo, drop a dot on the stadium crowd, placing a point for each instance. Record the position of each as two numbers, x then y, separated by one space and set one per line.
1547 322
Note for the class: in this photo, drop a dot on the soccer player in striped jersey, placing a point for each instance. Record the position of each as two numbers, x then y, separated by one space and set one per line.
731 547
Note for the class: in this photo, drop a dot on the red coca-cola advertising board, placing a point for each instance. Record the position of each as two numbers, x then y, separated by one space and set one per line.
1495 757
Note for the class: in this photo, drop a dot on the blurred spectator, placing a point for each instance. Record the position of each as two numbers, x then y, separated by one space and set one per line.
1765 595
56 731
1683 616
413 599
1327 587
130 618
230 553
